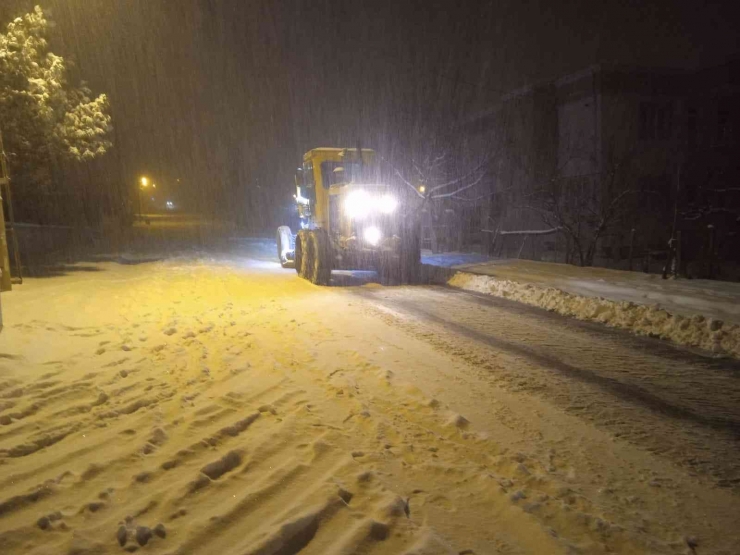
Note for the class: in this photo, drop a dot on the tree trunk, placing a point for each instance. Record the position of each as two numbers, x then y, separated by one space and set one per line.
590 254
428 223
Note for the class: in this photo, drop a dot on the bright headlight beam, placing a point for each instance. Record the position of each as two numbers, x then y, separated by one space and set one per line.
387 204
358 204
372 235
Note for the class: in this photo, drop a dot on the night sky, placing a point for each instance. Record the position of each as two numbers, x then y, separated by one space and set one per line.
227 94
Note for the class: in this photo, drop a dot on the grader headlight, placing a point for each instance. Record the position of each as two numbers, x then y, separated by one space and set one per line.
372 235
360 204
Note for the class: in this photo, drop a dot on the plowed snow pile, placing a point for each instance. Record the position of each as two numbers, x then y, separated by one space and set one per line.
690 327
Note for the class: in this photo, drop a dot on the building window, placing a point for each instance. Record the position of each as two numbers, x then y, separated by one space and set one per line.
724 124
655 120
647 120
692 127
664 121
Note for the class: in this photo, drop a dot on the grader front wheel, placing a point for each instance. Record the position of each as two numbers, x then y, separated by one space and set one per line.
313 256
322 259
302 254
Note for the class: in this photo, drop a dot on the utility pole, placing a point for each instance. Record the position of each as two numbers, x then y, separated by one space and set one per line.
142 184
5 283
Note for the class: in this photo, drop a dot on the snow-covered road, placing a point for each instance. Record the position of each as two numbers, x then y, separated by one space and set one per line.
247 411
667 400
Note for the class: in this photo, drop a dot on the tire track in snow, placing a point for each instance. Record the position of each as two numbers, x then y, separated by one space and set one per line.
660 397
625 391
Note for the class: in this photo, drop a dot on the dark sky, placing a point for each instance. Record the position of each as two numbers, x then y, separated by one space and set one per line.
228 94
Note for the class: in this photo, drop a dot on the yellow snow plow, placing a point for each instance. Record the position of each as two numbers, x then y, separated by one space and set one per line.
349 221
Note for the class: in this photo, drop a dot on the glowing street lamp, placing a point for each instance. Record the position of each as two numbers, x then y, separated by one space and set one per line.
143 184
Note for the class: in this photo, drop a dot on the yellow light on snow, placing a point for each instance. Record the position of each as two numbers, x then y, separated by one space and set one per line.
144 182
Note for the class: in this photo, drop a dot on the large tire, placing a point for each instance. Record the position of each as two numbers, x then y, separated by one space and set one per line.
320 272
285 243
303 253
313 258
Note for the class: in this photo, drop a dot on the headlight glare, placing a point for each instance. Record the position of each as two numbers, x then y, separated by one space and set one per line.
387 204
372 235
357 204
360 204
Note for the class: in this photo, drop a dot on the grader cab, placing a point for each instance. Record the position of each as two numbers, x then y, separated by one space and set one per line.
349 221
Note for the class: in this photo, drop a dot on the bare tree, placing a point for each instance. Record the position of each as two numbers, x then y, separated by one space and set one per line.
587 207
707 210
439 178
436 176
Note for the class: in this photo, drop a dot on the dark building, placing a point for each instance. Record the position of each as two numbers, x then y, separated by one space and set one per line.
632 147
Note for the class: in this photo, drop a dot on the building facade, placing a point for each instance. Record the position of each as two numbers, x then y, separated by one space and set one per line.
650 150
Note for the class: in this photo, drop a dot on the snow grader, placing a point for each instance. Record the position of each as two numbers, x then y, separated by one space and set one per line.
348 221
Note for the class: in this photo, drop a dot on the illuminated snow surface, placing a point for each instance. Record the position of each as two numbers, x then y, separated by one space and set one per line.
696 313
219 404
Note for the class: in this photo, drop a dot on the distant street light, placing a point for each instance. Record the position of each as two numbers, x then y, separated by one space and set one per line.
144 183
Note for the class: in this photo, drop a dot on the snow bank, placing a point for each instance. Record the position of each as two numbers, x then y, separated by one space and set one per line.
698 330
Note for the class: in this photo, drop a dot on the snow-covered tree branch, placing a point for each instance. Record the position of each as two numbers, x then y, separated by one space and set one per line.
42 114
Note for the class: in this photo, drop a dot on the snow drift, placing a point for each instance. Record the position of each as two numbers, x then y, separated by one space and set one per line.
698 330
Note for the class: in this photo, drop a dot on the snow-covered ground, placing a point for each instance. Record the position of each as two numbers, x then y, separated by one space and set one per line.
697 313
218 404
